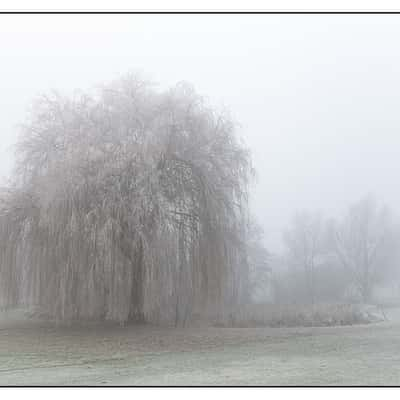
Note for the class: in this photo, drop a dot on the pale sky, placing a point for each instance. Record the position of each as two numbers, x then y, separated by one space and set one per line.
316 96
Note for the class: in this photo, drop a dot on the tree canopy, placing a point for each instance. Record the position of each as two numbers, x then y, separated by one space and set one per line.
126 203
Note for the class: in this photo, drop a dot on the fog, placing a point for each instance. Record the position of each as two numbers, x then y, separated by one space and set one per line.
315 96
129 252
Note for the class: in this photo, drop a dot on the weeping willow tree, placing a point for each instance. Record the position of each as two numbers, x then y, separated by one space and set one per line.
126 204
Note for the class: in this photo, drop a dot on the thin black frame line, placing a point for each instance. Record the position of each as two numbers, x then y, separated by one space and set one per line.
196 13
200 12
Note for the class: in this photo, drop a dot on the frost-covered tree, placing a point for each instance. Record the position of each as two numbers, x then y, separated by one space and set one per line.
363 240
304 242
127 203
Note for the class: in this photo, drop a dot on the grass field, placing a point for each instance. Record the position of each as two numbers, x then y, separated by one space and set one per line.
36 353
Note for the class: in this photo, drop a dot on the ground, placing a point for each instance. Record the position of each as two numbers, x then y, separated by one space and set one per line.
37 353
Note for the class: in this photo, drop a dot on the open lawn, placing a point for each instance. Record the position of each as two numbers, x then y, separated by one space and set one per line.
37 353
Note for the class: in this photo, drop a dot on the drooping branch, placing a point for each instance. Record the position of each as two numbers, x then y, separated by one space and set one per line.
125 203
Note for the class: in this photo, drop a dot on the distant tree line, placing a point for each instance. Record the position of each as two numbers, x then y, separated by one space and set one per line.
329 260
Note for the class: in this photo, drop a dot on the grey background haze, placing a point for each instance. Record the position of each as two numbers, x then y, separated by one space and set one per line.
316 96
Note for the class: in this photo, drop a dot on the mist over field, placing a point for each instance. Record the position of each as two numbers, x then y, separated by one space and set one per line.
315 95
177 189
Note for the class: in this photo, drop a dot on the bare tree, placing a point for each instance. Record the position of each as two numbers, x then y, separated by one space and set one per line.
304 242
361 241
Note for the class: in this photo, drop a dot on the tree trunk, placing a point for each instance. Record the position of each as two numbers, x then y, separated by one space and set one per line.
366 292
136 309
